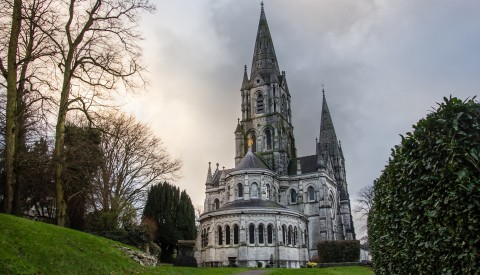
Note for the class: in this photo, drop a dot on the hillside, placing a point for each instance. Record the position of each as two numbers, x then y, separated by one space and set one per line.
29 247
34 247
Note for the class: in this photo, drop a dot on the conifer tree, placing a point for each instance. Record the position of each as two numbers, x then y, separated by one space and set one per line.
174 215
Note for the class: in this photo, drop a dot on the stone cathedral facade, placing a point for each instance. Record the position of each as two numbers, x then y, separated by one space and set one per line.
273 206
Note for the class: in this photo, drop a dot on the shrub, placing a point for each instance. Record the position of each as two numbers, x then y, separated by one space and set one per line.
338 251
425 217
259 264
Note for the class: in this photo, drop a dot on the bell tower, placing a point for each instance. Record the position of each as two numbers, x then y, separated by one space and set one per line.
265 105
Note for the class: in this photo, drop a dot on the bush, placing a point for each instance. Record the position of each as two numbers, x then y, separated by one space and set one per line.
338 251
425 217
259 264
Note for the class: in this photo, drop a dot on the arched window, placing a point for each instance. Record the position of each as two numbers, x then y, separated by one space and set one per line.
260 233
293 196
227 235
289 235
220 235
216 203
305 236
270 233
235 234
240 190
284 234
260 103
284 106
206 236
251 234
311 193
295 236
269 191
254 190
268 137
203 238
228 193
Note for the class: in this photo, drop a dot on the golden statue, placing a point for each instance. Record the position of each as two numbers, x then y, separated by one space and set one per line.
250 142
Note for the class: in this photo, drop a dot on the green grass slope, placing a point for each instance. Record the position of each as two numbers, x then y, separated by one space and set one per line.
33 247
29 247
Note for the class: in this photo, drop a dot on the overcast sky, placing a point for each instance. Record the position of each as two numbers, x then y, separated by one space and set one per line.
384 65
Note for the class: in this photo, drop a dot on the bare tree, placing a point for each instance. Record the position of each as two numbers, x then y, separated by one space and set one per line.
31 84
198 213
98 52
365 201
10 73
133 159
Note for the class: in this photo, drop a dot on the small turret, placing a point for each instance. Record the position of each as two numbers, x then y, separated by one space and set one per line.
245 85
209 181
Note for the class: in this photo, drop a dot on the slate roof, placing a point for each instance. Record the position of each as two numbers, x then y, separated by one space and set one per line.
307 163
251 161
218 176
255 203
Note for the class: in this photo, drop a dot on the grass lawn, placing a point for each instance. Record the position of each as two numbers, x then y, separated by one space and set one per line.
29 247
341 270
345 270
33 247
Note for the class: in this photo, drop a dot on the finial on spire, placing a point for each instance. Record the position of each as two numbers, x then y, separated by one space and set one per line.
238 120
323 89
245 68
261 4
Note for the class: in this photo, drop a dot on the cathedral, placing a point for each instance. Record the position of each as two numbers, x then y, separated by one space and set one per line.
274 206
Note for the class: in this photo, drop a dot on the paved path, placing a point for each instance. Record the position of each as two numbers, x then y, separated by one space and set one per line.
252 272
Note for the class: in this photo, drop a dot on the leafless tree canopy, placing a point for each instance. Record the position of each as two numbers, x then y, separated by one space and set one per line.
133 159
365 201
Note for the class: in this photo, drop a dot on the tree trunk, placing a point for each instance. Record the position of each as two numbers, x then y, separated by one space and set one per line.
58 153
10 135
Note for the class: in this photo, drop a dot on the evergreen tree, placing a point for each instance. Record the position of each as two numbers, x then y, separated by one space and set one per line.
83 158
425 218
174 215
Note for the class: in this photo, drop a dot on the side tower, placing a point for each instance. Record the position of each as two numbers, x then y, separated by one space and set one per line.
329 149
266 110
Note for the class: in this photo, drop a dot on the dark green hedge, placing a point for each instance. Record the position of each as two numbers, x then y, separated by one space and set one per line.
425 217
338 251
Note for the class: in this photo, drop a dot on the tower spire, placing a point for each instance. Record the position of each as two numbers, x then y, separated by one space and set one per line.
264 58
328 138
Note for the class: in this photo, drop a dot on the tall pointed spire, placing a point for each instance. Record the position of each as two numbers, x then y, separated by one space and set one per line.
264 58
328 138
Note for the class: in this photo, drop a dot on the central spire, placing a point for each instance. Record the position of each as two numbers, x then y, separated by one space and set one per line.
264 58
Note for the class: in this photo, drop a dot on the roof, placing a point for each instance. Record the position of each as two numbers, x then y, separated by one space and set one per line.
255 203
251 161
218 176
307 163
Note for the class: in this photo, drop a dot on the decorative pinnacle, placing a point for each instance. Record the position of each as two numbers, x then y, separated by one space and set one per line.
245 68
323 89
261 4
